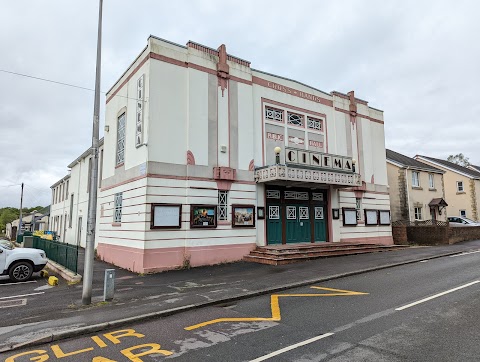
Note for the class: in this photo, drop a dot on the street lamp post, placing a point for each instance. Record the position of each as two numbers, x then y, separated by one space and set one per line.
92 197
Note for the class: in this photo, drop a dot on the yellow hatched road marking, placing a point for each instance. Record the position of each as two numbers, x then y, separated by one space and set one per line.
275 307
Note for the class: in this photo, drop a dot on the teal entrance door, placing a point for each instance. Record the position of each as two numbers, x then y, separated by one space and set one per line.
274 224
298 224
319 228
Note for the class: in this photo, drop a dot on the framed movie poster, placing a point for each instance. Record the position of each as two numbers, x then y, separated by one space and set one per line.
371 217
384 217
166 216
243 215
203 216
349 217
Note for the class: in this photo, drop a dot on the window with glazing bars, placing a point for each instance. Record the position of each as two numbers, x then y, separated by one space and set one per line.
295 119
121 139
222 205
314 123
117 213
273 114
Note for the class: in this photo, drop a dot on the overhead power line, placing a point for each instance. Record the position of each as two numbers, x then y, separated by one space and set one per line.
59 83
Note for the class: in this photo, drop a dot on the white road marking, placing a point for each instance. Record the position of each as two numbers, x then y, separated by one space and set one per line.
30 281
462 254
437 295
423 261
23 295
289 348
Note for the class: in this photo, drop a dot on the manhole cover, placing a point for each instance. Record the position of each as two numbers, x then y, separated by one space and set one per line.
13 303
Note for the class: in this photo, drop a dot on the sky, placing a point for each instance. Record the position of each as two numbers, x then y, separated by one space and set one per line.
418 61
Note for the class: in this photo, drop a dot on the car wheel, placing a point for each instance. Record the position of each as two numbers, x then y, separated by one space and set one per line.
20 271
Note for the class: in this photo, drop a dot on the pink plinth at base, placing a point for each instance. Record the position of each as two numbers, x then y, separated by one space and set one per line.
160 259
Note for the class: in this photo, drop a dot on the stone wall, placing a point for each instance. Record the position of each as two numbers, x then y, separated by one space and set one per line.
433 235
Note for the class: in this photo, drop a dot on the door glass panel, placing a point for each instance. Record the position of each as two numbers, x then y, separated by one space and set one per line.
303 211
291 213
319 213
274 212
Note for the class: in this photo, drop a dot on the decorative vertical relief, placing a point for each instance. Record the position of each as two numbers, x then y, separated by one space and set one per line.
223 69
139 113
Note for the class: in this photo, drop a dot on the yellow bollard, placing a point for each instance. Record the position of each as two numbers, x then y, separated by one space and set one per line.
52 280
44 274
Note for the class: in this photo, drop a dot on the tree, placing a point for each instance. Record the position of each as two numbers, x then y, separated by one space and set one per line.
8 214
459 159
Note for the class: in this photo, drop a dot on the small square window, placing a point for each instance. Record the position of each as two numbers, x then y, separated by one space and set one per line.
460 186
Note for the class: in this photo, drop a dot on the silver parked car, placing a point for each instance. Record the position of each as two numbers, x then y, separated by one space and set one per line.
461 221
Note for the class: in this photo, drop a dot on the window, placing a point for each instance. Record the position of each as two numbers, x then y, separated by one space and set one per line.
460 186
66 190
71 211
139 129
314 123
418 213
358 207
121 139
415 179
222 205
273 114
431 182
295 119
117 215
100 174
463 213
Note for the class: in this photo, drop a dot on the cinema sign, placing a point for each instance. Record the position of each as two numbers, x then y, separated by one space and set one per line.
318 160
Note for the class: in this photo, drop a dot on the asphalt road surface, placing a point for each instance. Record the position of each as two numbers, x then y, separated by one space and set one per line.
427 311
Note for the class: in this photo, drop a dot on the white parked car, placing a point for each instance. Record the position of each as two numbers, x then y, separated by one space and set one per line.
20 263
461 221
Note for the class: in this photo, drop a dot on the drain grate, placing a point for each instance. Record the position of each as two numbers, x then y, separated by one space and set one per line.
13 303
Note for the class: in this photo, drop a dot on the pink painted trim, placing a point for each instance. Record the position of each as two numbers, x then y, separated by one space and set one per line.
384 240
190 158
128 78
291 91
251 165
123 182
303 110
223 185
216 254
116 224
211 51
165 59
341 95
229 125
120 165
223 222
360 115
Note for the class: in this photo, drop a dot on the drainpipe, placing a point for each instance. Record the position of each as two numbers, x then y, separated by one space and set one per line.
408 194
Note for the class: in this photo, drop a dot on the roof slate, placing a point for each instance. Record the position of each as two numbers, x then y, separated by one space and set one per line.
453 166
410 162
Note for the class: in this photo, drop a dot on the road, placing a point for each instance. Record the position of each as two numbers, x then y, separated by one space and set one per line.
426 311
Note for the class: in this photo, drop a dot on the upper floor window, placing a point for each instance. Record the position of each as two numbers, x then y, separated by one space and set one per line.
273 114
121 139
415 179
460 186
314 123
431 183
358 207
295 119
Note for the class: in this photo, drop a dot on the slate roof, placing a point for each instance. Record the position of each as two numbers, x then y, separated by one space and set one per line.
410 162
453 166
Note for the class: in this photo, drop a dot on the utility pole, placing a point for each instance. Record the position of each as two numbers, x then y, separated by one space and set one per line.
92 197
21 206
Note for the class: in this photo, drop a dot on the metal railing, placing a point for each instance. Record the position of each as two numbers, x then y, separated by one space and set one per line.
61 253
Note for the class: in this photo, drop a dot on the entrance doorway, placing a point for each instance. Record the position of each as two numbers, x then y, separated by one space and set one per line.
296 216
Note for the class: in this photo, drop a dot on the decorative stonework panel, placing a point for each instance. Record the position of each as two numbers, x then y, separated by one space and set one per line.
295 195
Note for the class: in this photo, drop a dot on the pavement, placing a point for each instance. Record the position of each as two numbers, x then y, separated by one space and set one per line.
142 297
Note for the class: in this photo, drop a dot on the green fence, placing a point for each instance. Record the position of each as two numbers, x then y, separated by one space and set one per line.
61 253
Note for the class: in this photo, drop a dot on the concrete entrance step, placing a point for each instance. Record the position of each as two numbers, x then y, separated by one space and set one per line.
286 254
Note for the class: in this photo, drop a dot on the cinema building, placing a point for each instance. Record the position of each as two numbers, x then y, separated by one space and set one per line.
205 158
